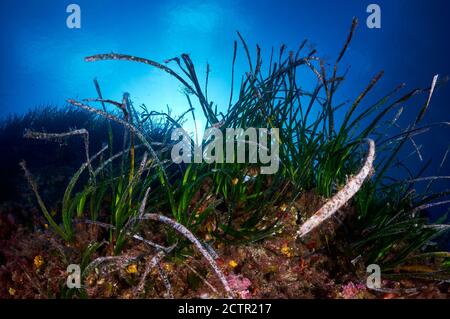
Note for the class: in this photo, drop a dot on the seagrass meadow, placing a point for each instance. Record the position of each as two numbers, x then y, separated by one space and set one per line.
93 184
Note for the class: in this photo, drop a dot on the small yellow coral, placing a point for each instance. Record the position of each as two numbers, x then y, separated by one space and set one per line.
132 269
272 269
168 267
234 181
12 291
38 261
232 263
285 250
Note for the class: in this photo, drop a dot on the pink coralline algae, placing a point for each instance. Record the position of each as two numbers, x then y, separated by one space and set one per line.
352 290
240 285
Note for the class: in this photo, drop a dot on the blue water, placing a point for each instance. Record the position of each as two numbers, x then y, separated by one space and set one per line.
42 63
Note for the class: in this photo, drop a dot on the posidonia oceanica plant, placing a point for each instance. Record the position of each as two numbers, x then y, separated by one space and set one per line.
233 201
